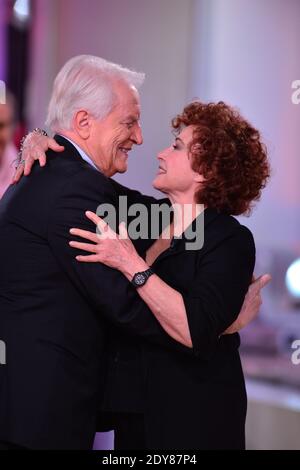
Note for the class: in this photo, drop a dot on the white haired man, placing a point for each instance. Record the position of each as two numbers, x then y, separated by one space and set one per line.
52 385
52 311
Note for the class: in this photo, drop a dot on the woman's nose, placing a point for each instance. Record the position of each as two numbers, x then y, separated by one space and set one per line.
162 154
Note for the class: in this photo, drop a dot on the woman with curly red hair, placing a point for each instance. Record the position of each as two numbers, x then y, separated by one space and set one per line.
217 166
228 152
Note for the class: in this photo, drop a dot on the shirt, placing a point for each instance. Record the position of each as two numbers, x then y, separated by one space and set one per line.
81 152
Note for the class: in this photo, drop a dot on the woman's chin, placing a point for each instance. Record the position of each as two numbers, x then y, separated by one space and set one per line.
159 187
157 183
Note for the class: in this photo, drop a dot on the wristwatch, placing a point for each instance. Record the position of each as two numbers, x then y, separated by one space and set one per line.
139 279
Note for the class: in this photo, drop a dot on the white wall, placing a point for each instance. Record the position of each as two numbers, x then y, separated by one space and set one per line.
247 54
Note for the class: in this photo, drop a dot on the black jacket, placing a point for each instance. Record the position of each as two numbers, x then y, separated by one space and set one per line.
53 309
198 401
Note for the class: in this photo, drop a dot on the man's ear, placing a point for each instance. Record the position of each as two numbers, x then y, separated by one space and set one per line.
82 123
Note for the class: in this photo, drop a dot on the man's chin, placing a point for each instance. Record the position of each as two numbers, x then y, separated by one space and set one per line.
122 169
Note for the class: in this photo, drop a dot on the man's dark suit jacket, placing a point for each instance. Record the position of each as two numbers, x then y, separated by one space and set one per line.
53 309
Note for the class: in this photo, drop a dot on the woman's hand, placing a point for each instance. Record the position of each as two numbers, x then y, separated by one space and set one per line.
109 248
34 148
251 305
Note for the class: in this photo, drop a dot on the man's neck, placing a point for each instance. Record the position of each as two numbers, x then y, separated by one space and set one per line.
81 147
77 140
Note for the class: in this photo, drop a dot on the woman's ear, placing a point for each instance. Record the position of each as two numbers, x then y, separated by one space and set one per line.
82 123
198 178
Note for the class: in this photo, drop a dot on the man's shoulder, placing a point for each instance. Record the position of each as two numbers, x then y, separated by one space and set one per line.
65 172
61 179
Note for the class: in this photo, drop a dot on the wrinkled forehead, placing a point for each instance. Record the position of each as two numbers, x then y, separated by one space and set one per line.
127 96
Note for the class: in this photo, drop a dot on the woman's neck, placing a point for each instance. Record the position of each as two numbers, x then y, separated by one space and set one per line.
185 211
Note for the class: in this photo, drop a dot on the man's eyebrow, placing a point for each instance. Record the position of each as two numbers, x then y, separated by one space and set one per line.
131 117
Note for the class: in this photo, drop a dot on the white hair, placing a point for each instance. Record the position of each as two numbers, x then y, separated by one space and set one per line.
86 82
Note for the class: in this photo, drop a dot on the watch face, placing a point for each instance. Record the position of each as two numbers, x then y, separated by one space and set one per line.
139 279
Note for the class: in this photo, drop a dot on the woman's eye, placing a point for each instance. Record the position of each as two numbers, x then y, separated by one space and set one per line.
174 146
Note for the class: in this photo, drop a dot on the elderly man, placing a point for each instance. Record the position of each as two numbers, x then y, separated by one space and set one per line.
8 151
54 311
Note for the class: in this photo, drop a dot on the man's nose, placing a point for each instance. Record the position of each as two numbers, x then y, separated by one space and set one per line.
137 136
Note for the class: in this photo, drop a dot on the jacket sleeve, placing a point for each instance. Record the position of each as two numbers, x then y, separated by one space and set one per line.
105 288
215 298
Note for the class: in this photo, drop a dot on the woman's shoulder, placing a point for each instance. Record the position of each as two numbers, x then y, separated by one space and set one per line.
227 227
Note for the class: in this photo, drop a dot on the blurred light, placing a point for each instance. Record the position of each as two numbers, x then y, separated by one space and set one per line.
292 279
22 10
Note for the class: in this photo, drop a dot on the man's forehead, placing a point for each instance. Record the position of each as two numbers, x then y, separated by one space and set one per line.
131 110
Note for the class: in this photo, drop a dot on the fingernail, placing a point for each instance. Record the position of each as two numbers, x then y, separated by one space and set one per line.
71 230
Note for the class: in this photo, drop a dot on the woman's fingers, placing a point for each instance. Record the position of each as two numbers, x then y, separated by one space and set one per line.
29 162
122 231
96 219
88 258
53 145
104 230
84 246
18 173
93 237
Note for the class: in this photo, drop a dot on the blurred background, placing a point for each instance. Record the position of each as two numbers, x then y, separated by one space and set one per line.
244 53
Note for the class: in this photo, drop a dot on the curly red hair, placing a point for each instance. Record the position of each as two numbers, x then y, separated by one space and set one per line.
229 153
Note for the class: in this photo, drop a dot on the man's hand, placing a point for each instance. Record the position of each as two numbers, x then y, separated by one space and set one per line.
251 305
35 147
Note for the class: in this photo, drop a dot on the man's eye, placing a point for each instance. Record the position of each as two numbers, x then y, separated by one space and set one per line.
129 125
174 146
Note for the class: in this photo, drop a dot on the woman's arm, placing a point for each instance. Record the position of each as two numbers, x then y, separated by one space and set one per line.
165 302
201 314
119 252
214 299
